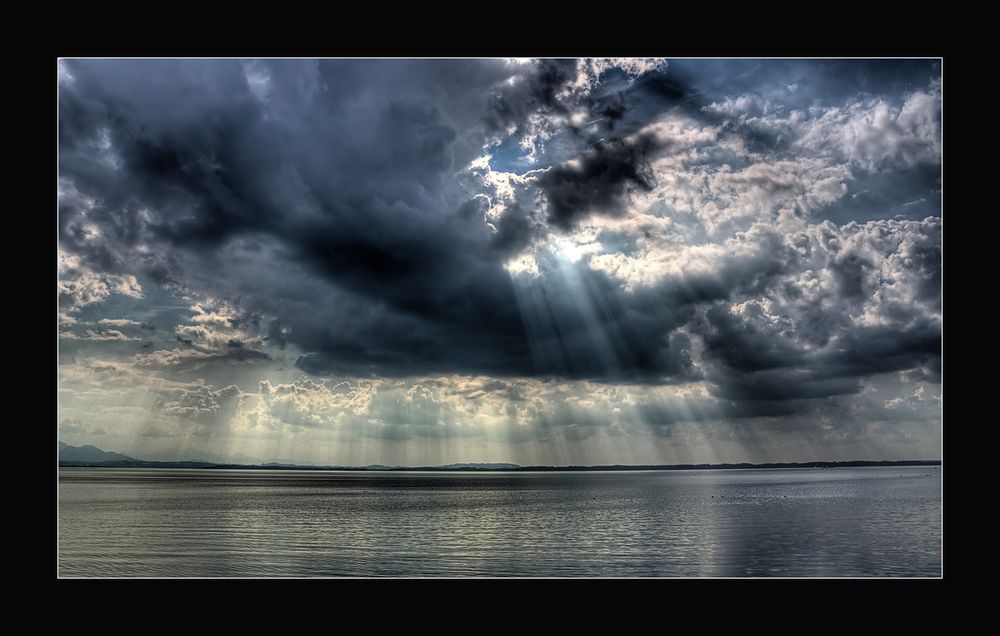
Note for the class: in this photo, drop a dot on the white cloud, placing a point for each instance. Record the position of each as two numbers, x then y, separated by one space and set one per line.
100 334
165 359
107 334
118 322
214 329
753 192
867 133
524 265
590 70
83 286
875 133
526 419
200 403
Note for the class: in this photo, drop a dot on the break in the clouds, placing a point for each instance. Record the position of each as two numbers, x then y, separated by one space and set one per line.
540 261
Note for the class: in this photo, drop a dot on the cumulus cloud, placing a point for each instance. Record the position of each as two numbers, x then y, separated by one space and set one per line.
875 133
527 417
872 133
611 223
193 359
80 286
118 322
600 179
199 403
99 334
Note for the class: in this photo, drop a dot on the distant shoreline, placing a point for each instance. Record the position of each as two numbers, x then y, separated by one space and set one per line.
493 469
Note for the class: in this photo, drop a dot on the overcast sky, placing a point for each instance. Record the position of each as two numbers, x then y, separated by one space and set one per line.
534 261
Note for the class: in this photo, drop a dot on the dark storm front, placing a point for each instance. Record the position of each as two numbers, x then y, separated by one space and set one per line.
797 522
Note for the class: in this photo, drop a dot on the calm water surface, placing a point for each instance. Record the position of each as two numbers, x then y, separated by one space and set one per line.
791 522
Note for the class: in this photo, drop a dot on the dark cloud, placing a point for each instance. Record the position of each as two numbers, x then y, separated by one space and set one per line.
516 230
324 199
599 180
612 111
586 328
351 190
868 350
753 361
537 91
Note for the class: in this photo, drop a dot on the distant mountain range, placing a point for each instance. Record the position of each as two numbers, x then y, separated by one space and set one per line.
69 453
81 456
479 467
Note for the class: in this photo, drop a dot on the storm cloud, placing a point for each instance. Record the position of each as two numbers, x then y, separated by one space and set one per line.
762 231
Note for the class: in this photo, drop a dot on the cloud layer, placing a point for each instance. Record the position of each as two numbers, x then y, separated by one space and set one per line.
764 234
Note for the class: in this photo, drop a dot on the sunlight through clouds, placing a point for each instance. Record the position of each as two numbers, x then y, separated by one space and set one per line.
541 261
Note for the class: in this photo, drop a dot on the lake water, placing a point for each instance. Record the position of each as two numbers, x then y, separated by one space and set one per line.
729 523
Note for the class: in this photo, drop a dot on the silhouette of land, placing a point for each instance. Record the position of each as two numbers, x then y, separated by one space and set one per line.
70 458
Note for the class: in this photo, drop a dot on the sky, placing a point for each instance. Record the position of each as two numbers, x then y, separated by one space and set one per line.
538 261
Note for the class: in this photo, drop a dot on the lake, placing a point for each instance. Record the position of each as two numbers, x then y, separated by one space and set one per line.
840 522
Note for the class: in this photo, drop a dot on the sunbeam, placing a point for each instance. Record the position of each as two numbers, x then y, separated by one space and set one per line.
515 317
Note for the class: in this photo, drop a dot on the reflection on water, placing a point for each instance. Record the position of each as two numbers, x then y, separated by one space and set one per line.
792 522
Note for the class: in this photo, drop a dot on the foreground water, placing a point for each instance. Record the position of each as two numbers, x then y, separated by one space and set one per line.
791 522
